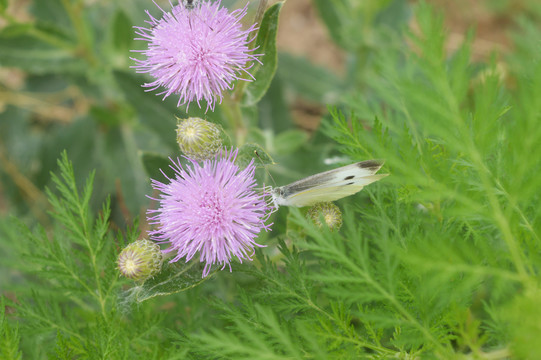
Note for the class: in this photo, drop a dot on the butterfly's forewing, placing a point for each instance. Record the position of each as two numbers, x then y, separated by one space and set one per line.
330 185
336 177
330 192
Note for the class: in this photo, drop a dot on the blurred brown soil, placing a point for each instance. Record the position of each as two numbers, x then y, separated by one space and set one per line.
301 32
491 28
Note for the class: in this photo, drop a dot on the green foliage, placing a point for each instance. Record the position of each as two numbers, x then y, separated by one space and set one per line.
172 279
438 260
9 337
253 151
3 5
265 44
76 298
156 163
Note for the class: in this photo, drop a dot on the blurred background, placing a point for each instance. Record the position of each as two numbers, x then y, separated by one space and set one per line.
65 83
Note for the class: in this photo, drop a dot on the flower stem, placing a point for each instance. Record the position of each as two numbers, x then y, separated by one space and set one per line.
233 113
260 12
82 30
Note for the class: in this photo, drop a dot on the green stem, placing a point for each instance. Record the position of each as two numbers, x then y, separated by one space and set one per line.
393 301
87 234
485 175
231 106
233 113
259 14
52 40
55 325
82 30
497 213
38 33
515 205
308 301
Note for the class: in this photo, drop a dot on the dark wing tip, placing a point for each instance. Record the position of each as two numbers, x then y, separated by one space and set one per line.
373 165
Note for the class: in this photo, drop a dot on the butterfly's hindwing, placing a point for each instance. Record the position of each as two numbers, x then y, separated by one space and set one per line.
313 196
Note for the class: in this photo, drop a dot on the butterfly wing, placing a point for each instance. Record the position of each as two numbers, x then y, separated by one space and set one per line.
328 193
330 185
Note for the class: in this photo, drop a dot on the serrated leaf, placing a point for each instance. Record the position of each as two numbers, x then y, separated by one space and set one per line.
173 279
155 163
288 141
266 45
253 151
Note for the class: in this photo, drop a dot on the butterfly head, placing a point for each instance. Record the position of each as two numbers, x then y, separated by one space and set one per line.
277 194
189 4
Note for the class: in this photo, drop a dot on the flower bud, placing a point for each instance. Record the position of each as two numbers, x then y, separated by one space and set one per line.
198 139
330 213
140 260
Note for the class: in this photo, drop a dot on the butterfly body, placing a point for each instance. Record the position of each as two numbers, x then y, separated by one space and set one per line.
189 4
329 185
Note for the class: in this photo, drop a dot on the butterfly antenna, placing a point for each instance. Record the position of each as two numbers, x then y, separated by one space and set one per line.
265 167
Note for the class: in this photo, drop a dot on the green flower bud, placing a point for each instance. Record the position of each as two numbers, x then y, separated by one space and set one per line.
330 213
140 260
198 139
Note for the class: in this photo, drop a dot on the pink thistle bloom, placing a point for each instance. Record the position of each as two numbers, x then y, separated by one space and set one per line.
196 53
211 208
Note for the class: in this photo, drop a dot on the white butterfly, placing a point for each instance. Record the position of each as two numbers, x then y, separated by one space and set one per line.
189 4
329 185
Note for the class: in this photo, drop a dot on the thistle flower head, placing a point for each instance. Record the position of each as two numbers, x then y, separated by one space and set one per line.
196 51
140 260
332 216
198 139
210 208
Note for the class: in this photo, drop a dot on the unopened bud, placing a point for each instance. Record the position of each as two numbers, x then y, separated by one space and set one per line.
198 139
331 214
140 260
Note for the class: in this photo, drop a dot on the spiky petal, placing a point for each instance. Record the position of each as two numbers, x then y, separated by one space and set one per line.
210 208
196 53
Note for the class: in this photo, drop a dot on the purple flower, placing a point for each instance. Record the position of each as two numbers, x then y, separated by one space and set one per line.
196 53
211 208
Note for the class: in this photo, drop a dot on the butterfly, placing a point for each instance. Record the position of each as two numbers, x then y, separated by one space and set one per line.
189 4
329 185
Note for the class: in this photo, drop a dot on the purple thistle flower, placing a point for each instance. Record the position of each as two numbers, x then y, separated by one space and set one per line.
211 208
196 53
